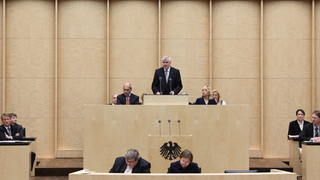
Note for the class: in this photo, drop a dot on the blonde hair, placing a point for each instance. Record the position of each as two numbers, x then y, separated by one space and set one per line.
209 89
219 100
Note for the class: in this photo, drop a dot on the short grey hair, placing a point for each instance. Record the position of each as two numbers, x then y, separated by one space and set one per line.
132 154
128 84
166 57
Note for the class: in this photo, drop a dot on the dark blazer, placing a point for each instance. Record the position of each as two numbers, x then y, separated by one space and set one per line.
176 81
294 128
134 99
19 129
13 132
176 167
120 165
200 101
307 132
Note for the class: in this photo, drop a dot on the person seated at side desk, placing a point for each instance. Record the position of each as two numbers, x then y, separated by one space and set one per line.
216 96
130 163
296 126
311 131
7 131
185 164
114 99
206 98
127 98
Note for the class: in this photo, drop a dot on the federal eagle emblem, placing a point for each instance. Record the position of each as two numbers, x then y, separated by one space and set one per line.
169 151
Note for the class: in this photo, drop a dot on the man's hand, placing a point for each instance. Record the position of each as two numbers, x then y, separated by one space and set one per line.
158 93
17 134
172 92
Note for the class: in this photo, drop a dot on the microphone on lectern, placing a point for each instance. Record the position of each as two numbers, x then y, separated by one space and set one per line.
169 121
160 79
170 79
179 127
159 127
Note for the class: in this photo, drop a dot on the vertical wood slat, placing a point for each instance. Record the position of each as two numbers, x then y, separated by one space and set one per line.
159 43
56 78
313 90
210 40
261 77
108 50
4 56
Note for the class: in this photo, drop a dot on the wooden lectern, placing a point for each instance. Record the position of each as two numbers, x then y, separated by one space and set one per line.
294 160
310 160
166 100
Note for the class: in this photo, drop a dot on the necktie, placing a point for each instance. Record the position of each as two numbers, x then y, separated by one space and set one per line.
9 130
167 75
317 133
128 101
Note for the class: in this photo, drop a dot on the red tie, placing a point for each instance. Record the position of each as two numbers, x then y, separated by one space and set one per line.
128 101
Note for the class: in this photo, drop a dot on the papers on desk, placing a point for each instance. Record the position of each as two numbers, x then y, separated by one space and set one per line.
293 136
13 141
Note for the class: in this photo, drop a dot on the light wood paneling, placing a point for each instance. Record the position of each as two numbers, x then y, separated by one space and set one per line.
23 59
236 58
133 58
185 19
82 19
43 129
134 19
281 62
29 19
82 58
287 19
73 93
236 19
190 56
74 138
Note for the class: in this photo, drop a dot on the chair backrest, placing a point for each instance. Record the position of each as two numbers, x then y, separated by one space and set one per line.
240 171
23 131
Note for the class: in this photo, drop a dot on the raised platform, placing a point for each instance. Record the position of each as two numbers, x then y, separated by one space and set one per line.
58 169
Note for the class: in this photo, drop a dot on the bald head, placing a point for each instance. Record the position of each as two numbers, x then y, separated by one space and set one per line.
127 87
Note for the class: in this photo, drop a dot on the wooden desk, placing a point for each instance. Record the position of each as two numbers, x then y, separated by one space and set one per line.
276 175
310 160
33 148
166 99
15 160
294 156
220 134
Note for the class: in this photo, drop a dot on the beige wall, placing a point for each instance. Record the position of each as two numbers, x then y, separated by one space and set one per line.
62 54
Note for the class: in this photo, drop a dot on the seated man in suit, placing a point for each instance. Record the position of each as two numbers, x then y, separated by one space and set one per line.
7 131
185 164
114 99
127 98
166 80
131 163
310 131
14 120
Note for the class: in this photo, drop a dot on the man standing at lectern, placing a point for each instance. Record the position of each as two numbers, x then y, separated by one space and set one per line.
130 163
127 98
166 80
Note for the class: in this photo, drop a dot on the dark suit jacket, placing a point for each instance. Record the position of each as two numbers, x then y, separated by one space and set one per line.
175 83
307 132
120 165
176 167
294 128
134 99
200 101
19 129
13 132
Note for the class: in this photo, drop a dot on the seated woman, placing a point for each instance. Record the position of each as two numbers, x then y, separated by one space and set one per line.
216 96
185 164
206 97
296 126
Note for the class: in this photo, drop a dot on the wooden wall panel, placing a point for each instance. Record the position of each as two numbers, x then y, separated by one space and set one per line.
133 45
317 54
82 65
185 37
236 57
30 67
1 56
287 57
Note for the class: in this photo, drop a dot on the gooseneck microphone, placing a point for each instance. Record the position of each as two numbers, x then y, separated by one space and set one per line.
179 127
160 79
170 79
169 121
159 127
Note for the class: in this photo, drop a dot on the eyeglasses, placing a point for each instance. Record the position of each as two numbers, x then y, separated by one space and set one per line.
130 162
184 162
